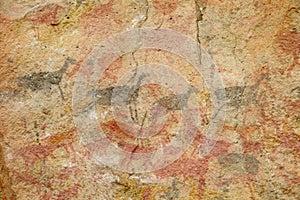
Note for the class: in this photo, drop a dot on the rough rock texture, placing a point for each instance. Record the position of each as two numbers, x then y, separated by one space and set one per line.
255 46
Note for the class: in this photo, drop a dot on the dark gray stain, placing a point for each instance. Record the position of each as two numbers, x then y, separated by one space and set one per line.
296 90
230 159
240 162
173 192
123 95
174 102
44 80
234 95
6 94
10 60
237 96
133 95
103 96
171 102
251 164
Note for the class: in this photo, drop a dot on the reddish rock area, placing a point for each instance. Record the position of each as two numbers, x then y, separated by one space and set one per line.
52 144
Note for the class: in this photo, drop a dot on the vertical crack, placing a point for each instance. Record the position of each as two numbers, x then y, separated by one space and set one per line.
140 20
200 7
137 22
146 11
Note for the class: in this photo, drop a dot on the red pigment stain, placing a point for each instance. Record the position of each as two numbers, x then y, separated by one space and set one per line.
101 10
135 148
26 131
292 107
246 135
165 6
77 66
46 196
114 130
72 192
147 194
65 173
289 42
115 134
97 20
127 141
154 90
194 167
111 72
185 26
46 14
250 146
187 167
213 3
220 148
22 176
290 141
34 153
293 179
64 139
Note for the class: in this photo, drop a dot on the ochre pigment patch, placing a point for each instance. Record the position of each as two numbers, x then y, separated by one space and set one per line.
151 99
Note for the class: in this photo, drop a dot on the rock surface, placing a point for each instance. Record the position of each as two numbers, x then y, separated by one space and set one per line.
46 48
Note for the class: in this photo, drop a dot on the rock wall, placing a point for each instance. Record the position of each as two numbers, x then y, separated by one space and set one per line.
149 99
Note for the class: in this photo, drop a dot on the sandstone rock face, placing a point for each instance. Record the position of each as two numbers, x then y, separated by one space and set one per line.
150 99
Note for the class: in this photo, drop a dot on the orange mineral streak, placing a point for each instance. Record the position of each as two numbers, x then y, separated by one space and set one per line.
124 141
63 138
165 6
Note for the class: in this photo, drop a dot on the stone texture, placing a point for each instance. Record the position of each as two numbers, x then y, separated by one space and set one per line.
255 46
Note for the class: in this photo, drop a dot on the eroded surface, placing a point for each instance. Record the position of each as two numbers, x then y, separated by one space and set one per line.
255 46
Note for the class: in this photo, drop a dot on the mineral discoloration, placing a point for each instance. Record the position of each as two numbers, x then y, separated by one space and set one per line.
173 102
46 15
165 7
255 47
238 96
241 163
296 91
44 80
